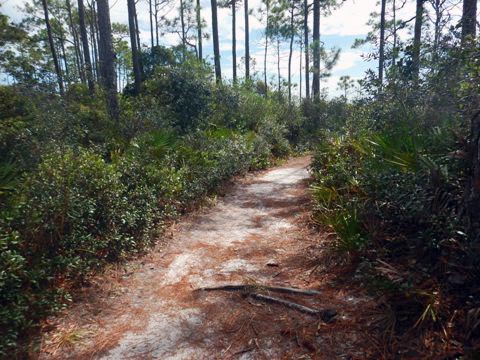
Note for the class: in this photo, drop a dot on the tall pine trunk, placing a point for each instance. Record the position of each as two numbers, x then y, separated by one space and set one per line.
278 66
150 13
395 37
107 59
137 72
247 42
307 49
182 21
216 45
156 23
199 30
76 44
290 53
472 114
417 40
94 40
61 39
267 3
86 51
469 19
381 55
316 49
300 70
234 40
58 70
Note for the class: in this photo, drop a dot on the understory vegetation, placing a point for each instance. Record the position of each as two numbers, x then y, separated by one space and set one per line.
391 179
78 192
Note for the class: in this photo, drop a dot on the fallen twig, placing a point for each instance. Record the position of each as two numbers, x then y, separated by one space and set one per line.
289 304
252 288
326 315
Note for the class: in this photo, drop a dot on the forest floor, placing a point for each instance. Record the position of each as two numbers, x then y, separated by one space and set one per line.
259 233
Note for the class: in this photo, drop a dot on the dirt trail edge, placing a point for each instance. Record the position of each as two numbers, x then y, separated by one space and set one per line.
255 234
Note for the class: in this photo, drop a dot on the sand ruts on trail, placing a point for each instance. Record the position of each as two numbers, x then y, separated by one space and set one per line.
256 233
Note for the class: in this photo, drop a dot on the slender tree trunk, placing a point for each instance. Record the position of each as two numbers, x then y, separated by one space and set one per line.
199 30
139 44
472 115
107 59
137 31
92 23
267 27
76 44
394 15
436 31
58 70
300 73
137 72
64 56
156 23
86 51
278 65
307 49
216 45
247 42
182 21
469 19
381 55
234 40
417 40
292 37
316 49
150 12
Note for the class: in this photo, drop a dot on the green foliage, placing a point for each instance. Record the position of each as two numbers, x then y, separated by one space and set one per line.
77 192
390 174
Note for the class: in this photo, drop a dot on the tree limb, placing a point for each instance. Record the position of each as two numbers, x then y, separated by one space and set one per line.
252 288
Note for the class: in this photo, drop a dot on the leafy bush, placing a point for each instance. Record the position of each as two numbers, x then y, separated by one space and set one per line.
78 192
393 199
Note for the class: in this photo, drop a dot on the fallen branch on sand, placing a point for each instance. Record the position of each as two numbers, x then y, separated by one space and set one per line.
326 315
252 288
252 291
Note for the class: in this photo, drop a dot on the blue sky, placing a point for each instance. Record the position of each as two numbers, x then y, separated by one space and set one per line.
340 29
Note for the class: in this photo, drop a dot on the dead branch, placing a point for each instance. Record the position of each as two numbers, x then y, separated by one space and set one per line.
253 288
326 315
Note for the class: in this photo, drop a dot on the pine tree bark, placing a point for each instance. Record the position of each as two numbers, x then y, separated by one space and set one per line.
182 21
137 33
156 23
216 45
307 49
267 3
300 89
86 50
199 31
316 49
247 42
234 40
469 19
278 66
381 55
137 72
76 44
93 38
417 40
472 114
61 39
395 37
290 53
150 13
58 70
107 59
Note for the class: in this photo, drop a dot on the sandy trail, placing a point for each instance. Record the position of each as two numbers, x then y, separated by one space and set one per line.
254 234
